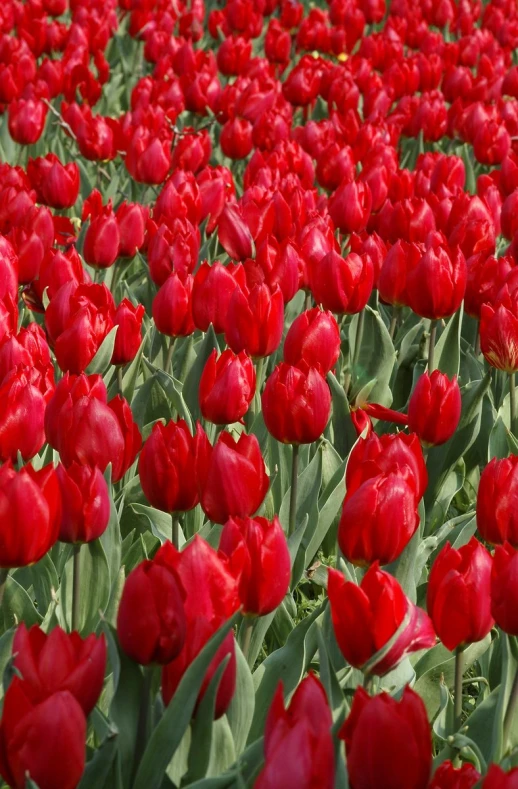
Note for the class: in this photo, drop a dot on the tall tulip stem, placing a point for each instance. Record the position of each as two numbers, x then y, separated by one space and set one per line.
3 580
169 359
431 346
76 586
396 312
511 709
512 403
248 626
457 702
175 530
120 373
293 491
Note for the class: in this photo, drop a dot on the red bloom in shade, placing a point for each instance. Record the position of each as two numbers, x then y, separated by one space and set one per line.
167 467
313 337
213 288
151 620
255 321
298 745
379 519
227 387
504 598
497 496
211 597
296 404
499 334
131 219
449 777
231 475
172 307
56 184
496 778
387 742
49 663
102 238
22 406
458 596
233 233
434 408
366 617
85 502
128 318
397 452
259 549
436 284
342 285
45 740
30 508
350 206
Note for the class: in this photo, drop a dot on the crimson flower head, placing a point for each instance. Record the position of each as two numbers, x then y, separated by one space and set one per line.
434 408
128 319
504 597
131 219
298 745
496 778
255 320
167 467
499 333
85 503
350 206
234 234
458 597
56 184
172 306
102 238
497 516
342 285
22 406
227 387
449 777
436 284
213 288
296 404
313 337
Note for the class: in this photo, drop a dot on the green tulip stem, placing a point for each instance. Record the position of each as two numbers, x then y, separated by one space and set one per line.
457 701
248 626
293 491
511 709
431 346
512 403
76 586
356 351
175 531
143 717
119 378
169 360
3 580
396 312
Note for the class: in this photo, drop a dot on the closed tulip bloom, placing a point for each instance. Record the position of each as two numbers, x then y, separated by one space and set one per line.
102 238
436 285
172 307
85 502
260 550
69 390
56 184
497 514
499 335
434 408
401 258
128 318
167 467
366 617
48 663
234 234
213 288
131 219
350 207
151 620
26 120
231 475
378 520
298 745
388 742
504 588
30 506
486 276
45 741
236 138
296 404
148 158
342 285
313 338
397 452
22 406
227 387
255 321
449 777
496 778
458 597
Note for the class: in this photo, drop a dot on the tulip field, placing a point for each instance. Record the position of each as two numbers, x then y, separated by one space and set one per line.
258 408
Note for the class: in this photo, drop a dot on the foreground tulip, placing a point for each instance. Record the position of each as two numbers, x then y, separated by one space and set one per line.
434 408
131 219
387 742
102 238
172 308
366 617
378 520
44 741
436 284
231 475
30 504
497 497
458 596
255 321
213 288
22 406
211 597
56 184
260 549
60 661
167 468
314 338
449 777
496 778
151 619
233 233
85 503
504 597
499 335
342 285
227 387
296 404
128 319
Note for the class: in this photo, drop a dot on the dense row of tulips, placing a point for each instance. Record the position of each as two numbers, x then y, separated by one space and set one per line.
258 426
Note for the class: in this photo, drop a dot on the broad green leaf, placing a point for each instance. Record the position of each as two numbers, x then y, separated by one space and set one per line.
102 358
447 350
241 710
94 590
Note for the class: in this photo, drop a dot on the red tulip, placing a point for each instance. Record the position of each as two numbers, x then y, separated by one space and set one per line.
236 138
85 501
56 184
22 406
172 307
449 777
388 742
172 248
102 239
233 233
231 476
342 285
227 387
486 276
148 156
298 745
435 286
497 515
128 318
151 621
401 258
458 596
350 206
167 467
499 334
313 337
366 617
255 321
496 778
26 120
434 408
212 291
131 220
296 404
504 608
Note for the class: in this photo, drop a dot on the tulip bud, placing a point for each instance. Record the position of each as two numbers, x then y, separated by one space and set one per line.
212 291
499 335
342 285
350 206
313 337
172 249
401 258
128 318
449 777
26 120
148 158
167 468
504 598
255 321
22 406
366 618
233 233
131 220
497 515
387 742
102 238
434 408
302 728
260 550
172 308
236 138
458 596
56 184
378 520
296 404
151 620
86 503
435 286
227 387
